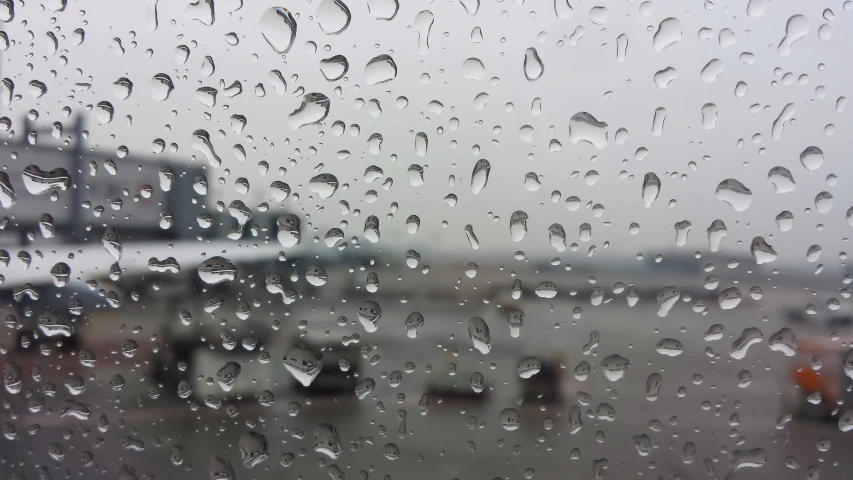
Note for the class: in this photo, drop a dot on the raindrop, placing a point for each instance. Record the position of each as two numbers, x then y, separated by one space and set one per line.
478 331
811 158
313 110
785 116
278 27
423 24
203 11
795 29
735 194
533 66
667 34
161 87
583 127
383 9
334 68
303 363
380 69
333 16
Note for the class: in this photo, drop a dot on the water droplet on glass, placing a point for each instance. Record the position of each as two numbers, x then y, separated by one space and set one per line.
383 9
161 87
278 27
614 367
782 179
380 69
666 299
518 225
303 363
334 68
811 158
563 9
471 6
313 110
217 269
533 66
478 331
423 24
785 115
473 69
529 367
326 440
667 34
39 182
333 16
658 121
599 15
509 419
734 194
796 28
369 314
651 189
583 127
748 337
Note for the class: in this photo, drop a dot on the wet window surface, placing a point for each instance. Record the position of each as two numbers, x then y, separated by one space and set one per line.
421 239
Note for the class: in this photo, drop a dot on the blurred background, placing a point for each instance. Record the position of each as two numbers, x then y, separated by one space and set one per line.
107 396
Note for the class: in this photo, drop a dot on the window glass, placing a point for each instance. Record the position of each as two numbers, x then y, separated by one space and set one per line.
425 239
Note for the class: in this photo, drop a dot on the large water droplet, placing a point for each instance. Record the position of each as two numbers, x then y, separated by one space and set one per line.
423 24
8 197
557 236
748 337
288 233
278 27
782 179
253 448
667 34
203 11
518 225
666 298
327 441
785 115
563 9
735 194
303 364
217 269
333 16
480 175
201 143
756 8
313 110
478 331
39 182
533 66
369 314
811 158
651 189
161 87
583 127
670 347
716 231
709 116
383 9
783 341
471 6
796 28
334 68
7 10
658 121
614 367
380 69
711 70
473 69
